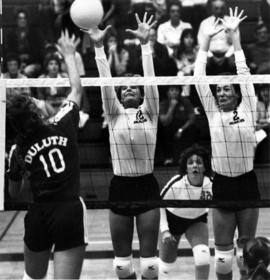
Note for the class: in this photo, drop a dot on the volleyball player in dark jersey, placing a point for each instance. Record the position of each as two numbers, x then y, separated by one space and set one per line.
48 154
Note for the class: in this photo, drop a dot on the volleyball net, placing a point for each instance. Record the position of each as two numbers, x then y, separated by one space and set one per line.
95 181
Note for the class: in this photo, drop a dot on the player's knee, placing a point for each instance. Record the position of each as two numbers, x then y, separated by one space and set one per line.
164 267
224 261
201 254
149 267
123 267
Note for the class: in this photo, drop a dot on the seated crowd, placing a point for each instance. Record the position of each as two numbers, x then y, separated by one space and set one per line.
32 52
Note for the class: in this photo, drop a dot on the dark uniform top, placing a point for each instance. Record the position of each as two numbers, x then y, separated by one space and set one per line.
51 158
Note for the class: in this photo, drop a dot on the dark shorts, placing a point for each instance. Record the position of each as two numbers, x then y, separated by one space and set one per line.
127 189
178 225
243 187
61 224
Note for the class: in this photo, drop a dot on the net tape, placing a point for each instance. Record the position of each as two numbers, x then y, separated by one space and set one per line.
120 81
105 204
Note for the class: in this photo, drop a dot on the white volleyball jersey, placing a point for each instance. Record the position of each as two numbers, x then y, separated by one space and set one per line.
132 131
232 133
179 188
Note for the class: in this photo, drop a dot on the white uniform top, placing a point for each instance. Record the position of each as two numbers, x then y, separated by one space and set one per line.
233 137
133 132
179 188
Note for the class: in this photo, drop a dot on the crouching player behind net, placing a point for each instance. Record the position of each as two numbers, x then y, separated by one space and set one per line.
48 154
133 130
231 113
193 182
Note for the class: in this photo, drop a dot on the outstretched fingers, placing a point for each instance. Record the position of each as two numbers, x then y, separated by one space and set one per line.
137 19
144 17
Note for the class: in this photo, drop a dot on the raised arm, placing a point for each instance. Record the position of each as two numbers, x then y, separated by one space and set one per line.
151 98
111 104
67 46
231 25
204 91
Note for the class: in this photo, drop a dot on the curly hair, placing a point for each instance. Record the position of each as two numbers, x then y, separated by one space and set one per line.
199 151
22 116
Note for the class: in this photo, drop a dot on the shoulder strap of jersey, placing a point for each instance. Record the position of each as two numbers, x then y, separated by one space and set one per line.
170 184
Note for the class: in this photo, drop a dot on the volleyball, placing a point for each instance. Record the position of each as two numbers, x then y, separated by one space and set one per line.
86 14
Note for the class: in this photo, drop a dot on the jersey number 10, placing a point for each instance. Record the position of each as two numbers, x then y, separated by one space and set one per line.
52 154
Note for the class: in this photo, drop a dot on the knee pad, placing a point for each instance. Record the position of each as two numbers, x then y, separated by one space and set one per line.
224 261
164 267
123 267
149 267
27 277
201 254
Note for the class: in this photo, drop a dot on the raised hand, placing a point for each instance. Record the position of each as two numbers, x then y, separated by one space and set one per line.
143 30
97 35
232 23
67 45
214 29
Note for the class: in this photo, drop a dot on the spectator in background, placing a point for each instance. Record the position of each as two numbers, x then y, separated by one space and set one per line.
109 13
169 32
220 52
185 54
13 72
263 122
118 55
53 95
63 20
47 14
265 12
256 256
263 106
194 11
259 52
177 124
26 42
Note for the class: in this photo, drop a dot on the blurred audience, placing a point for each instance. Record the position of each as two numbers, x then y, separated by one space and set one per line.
25 41
186 53
265 12
118 55
263 122
177 124
258 53
109 8
52 69
47 14
263 106
13 72
169 32
63 20
220 54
